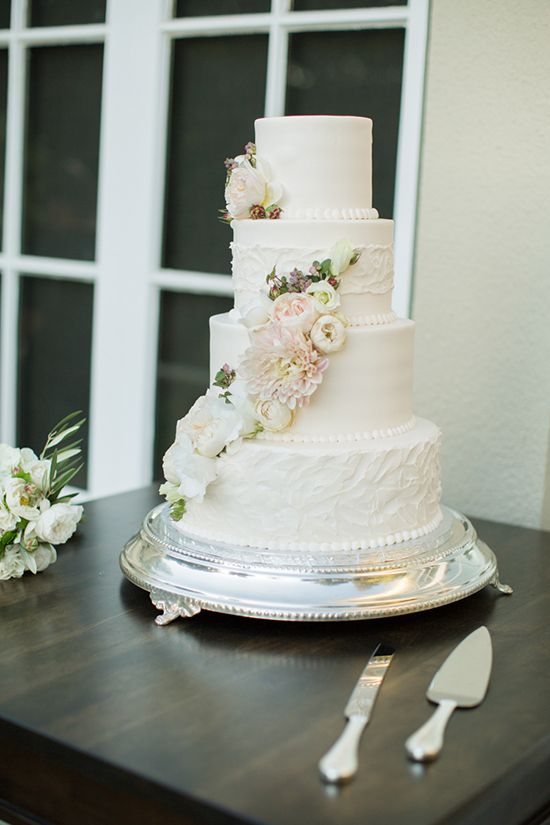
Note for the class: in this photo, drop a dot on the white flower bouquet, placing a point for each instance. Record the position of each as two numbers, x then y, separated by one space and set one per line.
35 514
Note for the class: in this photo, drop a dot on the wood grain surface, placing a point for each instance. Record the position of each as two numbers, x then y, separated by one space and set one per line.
107 718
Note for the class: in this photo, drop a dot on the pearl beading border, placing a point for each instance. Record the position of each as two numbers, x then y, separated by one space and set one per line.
371 320
312 547
338 438
328 214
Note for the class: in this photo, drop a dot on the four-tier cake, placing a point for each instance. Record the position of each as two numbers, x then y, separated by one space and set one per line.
306 438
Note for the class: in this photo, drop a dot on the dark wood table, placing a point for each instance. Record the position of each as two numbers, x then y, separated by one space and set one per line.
107 718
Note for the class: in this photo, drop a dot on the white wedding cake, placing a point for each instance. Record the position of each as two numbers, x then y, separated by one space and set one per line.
306 439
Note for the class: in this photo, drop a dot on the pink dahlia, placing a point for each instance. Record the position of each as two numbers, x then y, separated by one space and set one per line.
282 364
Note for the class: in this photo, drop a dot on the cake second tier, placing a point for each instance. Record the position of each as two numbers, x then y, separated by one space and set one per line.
366 391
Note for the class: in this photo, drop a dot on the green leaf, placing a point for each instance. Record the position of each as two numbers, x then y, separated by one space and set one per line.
8 538
63 479
64 455
64 499
59 437
177 509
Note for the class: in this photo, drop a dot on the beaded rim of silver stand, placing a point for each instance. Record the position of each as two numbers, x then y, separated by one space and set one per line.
185 575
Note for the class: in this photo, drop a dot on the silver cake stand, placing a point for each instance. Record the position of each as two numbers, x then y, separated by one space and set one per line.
185 575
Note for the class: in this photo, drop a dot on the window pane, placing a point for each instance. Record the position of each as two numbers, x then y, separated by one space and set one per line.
55 335
192 8
62 151
5 14
208 122
311 5
182 373
66 12
3 112
353 73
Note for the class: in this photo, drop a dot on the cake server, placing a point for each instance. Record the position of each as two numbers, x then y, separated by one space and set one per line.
340 763
462 682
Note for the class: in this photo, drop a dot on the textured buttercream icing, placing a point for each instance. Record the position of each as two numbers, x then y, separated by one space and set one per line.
324 496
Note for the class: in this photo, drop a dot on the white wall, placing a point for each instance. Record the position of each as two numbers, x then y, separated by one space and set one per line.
482 266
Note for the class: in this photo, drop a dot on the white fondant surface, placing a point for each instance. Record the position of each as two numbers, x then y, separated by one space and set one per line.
323 163
367 386
329 496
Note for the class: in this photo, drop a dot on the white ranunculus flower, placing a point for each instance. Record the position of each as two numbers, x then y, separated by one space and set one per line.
22 499
12 565
44 555
273 415
9 458
190 472
8 520
57 524
246 188
340 256
328 334
324 295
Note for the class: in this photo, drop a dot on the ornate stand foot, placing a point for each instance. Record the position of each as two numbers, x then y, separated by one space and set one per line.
502 588
172 606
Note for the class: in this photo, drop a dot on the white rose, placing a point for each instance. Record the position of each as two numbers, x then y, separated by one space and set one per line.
256 313
8 520
190 472
44 555
39 472
324 295
12 565
244 406
9 458
57 524
246 188
340 256
211 424
328 334
296 310
22 499
273 415
28 458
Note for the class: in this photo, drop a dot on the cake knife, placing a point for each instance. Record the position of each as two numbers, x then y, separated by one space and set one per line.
340 763
461 681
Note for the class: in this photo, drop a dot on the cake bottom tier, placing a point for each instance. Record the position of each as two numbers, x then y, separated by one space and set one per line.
304 496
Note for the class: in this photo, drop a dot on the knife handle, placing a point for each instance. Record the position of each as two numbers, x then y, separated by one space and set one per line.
426 743
340 762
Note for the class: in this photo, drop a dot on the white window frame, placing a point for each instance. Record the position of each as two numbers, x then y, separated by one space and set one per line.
127 273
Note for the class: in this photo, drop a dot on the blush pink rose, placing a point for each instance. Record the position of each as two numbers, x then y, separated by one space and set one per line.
295 310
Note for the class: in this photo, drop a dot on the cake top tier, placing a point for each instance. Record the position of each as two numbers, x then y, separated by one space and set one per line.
324 164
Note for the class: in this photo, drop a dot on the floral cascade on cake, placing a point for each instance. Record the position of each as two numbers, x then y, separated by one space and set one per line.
306 438
35 513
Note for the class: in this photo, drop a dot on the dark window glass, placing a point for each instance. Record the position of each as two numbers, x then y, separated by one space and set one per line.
194 8
183 357
218 89
62 151
55 336
3 112
5 14
353 73
66 12
311 5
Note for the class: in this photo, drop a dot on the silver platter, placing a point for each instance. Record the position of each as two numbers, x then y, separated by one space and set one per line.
185 575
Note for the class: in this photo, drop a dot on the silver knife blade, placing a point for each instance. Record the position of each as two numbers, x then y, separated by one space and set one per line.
464 675
340 763
461 681
361 701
